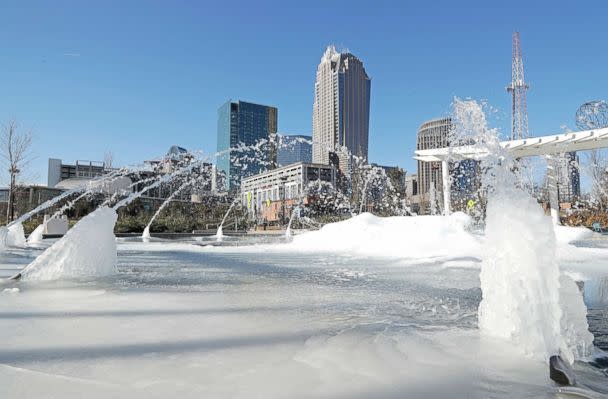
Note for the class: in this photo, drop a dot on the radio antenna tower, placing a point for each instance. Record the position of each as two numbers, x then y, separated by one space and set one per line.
517 88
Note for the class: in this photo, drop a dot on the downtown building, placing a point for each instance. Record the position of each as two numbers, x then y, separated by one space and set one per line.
340 117
464 174
271 196
79 171
245 140
431 134
293 149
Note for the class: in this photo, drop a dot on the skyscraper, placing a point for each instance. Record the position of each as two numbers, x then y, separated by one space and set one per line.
340 116
245 136
293 149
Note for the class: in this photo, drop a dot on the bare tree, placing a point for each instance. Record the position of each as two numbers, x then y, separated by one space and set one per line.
598 172
15 152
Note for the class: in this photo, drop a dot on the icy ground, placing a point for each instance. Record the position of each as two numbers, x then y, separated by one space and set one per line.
182 320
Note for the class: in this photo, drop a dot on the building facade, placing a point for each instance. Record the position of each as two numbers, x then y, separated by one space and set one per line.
340 116
80 170
411 185
293 149
464 173
245 140
270 196
431 134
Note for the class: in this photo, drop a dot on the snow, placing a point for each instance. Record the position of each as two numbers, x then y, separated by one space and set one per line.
402 237
568 234
88 249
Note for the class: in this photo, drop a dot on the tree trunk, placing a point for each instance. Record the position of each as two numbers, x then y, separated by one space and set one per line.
10 210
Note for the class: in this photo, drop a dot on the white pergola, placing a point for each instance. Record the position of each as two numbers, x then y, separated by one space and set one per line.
533 146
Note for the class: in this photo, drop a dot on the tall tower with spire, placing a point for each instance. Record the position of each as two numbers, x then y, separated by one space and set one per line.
340 116
518 88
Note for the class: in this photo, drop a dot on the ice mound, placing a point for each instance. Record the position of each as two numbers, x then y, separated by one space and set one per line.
146 233
396 236
567 234
87 249
524 298
574 327
36 235
12 236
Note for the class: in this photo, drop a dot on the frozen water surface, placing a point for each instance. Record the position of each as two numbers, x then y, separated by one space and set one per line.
181 319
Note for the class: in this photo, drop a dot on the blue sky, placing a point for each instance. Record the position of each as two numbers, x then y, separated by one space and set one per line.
135 77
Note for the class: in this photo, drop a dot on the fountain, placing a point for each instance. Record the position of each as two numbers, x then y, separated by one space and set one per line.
36 236
220 231
88 248
294 213
8 233
12 234
526 300
146 233
384 270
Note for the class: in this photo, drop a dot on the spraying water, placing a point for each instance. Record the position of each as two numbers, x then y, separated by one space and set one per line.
8 233
524 298
88 248
294 213
220 231
158 181
12 234
146 232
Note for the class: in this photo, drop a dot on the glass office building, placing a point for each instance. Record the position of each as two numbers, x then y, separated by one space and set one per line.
245 140
293 149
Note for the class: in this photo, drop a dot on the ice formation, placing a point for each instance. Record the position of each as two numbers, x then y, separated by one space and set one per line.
36 235
146 233
12 236
220 233
520 281
523 298
88 249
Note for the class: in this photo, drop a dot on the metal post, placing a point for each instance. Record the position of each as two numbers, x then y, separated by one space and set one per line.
445 177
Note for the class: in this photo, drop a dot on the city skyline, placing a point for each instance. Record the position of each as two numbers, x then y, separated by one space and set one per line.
85 89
